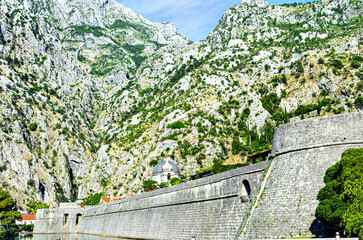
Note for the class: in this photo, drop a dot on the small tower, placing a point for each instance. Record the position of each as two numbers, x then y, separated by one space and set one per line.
164 171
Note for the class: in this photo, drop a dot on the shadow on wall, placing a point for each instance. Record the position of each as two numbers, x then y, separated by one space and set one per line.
320 230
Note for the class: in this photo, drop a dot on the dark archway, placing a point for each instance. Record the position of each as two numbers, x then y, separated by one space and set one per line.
246 192
66 218
169 176
78 218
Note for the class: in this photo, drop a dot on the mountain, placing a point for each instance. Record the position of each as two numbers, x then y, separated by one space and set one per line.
93 95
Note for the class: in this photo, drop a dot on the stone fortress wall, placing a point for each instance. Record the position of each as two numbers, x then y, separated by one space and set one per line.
219 207
302 152
209 208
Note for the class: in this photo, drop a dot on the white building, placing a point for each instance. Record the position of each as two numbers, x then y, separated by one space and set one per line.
164 171
27 219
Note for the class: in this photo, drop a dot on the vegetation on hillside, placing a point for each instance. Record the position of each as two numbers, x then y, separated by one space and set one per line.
93 199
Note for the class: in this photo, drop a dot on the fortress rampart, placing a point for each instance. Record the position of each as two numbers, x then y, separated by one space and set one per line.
210 208
219 206
303 152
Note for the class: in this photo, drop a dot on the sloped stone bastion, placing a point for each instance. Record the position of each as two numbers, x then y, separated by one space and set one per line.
302 152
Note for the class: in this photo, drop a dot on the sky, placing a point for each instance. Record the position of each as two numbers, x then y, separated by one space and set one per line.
194 19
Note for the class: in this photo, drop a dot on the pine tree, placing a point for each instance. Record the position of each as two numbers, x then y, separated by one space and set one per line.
8 213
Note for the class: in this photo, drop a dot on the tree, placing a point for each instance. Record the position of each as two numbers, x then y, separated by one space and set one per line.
355 64
163 185
8 214
149 185
320 61
336 63
359 102
341 199
93 199
175 181
33 127
235 145
176 125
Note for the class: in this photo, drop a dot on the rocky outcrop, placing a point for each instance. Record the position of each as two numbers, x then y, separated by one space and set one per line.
90 90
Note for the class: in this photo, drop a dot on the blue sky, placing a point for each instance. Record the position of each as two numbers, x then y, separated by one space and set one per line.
193 18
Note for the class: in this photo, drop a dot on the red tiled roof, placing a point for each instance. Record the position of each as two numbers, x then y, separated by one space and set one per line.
115 199
28 217
129 194
106 199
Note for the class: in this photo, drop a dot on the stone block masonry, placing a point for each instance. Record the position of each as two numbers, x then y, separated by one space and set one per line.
210 208
303 152
219 206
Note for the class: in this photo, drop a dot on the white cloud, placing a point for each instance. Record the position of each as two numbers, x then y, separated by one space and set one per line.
193 18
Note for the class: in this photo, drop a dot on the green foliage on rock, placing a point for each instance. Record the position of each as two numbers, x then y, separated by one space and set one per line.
359 102
86 29
34 206
93 199
341 199
149 185
355 64
218 167
360 86
175 181
176 125
336 63
153 163
163 185
33 127
81 58
8 214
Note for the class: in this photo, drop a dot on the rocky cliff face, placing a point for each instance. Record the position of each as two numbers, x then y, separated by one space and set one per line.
92 94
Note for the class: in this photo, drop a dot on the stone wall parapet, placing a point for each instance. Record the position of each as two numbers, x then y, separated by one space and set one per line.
249 169
343 129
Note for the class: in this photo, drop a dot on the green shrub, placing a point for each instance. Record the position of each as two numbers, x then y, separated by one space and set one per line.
93 199
81 58
359 102
176 125
33 127
360 234
336 63
359 75
149 185
355 64
360 86
31 182
153 163
28 228
86 29
357 58
175 181
163 185
324 92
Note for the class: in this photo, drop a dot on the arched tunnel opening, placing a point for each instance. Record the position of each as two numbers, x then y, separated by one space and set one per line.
246 192
65 218
78 218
